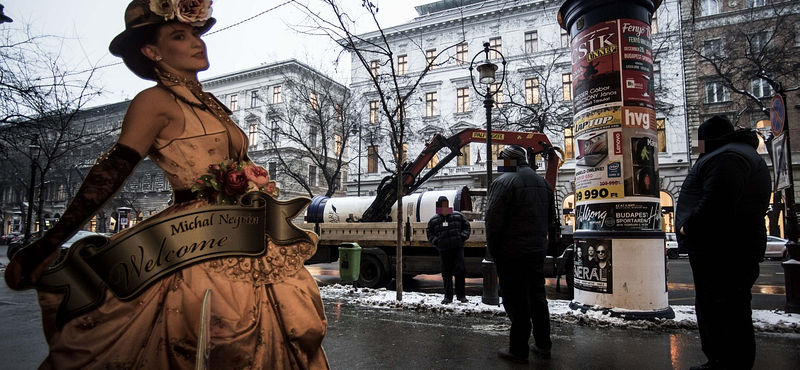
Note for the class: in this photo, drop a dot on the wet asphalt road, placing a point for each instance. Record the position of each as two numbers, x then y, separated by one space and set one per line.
380 338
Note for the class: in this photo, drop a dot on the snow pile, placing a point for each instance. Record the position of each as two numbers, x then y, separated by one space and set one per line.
764 320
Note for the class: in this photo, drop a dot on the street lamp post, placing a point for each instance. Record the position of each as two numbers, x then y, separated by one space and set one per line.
486 76
34 151
354 131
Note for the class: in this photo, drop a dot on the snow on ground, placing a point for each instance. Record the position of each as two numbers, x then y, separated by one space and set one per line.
774 321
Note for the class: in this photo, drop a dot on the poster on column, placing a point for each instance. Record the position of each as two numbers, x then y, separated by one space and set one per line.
598 163
640 141
592 265
596 67
637 63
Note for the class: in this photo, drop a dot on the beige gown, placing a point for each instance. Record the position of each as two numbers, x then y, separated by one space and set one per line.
265 312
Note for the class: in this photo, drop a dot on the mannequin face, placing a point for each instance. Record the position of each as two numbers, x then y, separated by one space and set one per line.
179 50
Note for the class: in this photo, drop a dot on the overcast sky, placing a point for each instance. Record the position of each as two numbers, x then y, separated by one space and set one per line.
91 24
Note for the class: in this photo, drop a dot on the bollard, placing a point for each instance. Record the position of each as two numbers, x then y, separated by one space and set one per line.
490 292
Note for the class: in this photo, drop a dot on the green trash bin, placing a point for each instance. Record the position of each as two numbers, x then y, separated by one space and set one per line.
349 262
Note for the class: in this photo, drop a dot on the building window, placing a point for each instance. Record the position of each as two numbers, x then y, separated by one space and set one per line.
404 156
312 136
430 104
758 42
373 111
709 7
497 94
234 102
463 159
433 162
760 88
566 86
661 131
755 3
276 95
569 143
531 42
401 111
312 176
252 134
254 99
656 75
402 64
339 112
337 139
275 130
565 42
715 92
462 100
531 91
462 53
337 181
495 43
712 49
312 99
272 168
372 159
375 68
430 58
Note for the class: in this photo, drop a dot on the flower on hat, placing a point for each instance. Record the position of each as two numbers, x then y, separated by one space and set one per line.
194 12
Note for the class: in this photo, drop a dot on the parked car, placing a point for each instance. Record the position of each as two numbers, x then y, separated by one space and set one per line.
9 238
671 246
16 245
776 248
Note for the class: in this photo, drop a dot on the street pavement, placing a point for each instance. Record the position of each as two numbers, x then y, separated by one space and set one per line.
361 337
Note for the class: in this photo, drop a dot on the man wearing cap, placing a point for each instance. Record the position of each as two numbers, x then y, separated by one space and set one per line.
520 207
720 222
448 230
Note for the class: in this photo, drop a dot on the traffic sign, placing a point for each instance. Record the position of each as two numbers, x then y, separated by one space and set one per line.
777 114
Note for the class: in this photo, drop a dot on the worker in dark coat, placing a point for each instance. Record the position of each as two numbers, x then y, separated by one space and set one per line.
720 222
520 208
448 230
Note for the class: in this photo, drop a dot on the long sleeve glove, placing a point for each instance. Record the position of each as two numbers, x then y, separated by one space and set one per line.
102 182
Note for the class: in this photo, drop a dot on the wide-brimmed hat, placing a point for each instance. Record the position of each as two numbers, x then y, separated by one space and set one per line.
142 13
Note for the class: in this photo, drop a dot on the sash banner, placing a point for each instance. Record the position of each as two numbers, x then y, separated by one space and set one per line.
128 264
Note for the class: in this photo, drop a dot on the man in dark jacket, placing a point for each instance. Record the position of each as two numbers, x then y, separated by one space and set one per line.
448 230
520 207
720 222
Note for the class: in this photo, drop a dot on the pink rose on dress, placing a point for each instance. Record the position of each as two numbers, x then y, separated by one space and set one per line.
257 174
235 183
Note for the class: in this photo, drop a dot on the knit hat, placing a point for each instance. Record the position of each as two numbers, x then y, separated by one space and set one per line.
515 152
714 128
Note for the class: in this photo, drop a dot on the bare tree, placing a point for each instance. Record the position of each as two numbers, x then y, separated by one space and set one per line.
315 124
536 101
754 63
390 83
42 101
758 60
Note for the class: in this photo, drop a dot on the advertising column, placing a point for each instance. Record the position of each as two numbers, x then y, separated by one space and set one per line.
620 266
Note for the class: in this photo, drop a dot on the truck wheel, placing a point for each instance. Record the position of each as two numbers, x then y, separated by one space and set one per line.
372 273
672 253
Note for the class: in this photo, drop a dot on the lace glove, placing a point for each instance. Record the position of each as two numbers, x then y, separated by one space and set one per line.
102 182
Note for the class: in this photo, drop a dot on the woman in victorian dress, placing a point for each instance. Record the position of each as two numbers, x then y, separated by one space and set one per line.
265 311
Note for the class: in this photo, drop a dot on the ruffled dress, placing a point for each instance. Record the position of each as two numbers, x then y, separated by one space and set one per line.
265 311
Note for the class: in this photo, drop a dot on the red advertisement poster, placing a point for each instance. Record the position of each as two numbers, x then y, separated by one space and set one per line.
596 67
